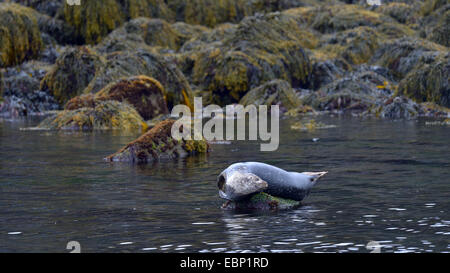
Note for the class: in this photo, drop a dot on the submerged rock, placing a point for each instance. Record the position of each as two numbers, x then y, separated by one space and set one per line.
20 38
158 144
145 94
105 115
261 201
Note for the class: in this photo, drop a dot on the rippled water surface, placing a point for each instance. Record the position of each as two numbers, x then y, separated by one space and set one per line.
388 182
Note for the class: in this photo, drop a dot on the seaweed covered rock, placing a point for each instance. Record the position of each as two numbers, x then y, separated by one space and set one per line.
145 94
48 7
261 201
214 12
72 73
20 90
429 82
358 90
274 92
105 115
141 32
396 108
356 46
93 20
126 64
402 55
20 38
435 26
158 144
259 49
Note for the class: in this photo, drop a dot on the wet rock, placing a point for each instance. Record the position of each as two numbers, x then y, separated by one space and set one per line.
261 48
396 108
92 21
157 144
48 7
403 55
356 46
356 91
19 87
324 72
402 12
212 12
126 64
429 82
435 24
20 38
105 115
274 92
72 73
262 201
141 32
145 94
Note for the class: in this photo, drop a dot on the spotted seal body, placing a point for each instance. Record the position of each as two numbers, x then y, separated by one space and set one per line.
233 181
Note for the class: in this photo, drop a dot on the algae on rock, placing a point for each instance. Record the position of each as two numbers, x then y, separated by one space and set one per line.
20 38
72 73
105 115
158 144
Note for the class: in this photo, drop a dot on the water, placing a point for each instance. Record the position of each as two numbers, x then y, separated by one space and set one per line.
388 182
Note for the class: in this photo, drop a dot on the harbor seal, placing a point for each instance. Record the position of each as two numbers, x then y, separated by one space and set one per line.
241 180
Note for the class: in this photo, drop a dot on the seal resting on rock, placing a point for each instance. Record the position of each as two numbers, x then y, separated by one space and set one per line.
242 180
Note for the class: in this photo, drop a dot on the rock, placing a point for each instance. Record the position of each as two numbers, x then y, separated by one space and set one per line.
435 25
48 7
356 46
20 38
357 91
105 115
401 12
260 48
429 82
126 64
396 108
92 21
157 144
145 94
274 92
327 71
152 32
19 87
262 201
403 55
212 12
72 73
329 19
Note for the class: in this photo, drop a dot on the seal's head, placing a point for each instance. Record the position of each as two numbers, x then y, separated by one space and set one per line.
237 185
312 178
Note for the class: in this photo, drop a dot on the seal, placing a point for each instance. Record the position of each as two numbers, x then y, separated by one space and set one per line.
241 180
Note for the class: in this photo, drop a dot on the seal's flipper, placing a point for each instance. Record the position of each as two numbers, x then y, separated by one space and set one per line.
238 185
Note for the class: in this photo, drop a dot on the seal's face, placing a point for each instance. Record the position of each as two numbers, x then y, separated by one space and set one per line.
237 185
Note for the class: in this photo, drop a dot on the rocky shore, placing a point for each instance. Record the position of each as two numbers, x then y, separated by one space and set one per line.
387 61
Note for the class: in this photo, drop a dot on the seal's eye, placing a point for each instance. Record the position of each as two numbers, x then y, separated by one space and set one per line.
221 182
311 179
